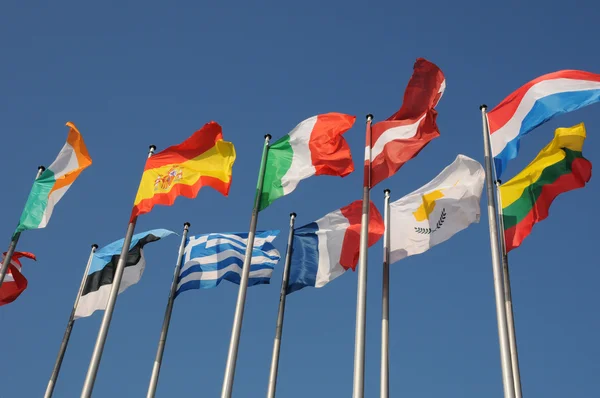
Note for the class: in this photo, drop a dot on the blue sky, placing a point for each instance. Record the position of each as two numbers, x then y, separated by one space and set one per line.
130 74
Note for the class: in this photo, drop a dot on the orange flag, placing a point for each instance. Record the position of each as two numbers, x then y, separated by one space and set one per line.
204 159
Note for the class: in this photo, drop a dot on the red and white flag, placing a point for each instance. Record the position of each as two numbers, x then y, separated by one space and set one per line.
402 136
14 282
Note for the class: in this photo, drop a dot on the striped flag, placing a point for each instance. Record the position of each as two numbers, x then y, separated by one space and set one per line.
210 258
54 182
14 282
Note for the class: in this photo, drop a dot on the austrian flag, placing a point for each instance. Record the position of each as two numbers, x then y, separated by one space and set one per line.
403 135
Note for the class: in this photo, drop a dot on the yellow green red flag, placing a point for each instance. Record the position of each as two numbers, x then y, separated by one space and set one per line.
204 159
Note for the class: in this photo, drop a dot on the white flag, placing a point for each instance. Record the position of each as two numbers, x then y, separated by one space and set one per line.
433 213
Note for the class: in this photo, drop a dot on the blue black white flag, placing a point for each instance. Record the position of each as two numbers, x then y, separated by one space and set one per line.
210 258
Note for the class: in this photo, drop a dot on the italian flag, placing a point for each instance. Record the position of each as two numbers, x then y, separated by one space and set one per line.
54 182
313 147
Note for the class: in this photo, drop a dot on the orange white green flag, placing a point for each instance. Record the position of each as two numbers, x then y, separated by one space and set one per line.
54 182
204 159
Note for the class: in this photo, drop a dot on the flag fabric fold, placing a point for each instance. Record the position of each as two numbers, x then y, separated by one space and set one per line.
211 258
403 135
438 210
328 247
54 182
14 281
314 147
559 167
535 103
204 159
98 282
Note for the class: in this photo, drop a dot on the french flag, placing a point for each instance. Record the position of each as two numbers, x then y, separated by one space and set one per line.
534 104
326 248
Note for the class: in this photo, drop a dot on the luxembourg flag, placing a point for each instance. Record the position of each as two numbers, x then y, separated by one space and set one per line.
326 248
534 104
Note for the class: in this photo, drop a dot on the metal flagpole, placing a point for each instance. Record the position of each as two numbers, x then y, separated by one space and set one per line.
167 320
14 241
241 300
90 377
361 292
67 335
510 320
385 302
505 360
281 311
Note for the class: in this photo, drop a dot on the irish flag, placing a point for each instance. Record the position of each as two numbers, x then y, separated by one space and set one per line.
313 147
54 182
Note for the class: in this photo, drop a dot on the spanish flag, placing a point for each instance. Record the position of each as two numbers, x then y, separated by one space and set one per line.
204 159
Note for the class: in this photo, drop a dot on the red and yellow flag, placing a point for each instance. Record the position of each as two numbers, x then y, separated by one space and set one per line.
204 159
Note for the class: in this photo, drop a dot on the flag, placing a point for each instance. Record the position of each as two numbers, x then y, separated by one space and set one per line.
54 182
401 137
439 209
204 159
313 147
210 258
558 168
326 248
98 281
534 104
14 281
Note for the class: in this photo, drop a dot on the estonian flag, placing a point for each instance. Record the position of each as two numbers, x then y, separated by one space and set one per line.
102 270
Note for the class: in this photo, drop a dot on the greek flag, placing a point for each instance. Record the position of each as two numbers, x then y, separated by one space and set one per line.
210 258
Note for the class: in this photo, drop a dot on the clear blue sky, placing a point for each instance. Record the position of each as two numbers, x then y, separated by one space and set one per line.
130 74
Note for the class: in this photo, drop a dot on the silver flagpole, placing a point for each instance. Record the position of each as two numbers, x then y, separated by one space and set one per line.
69 329
361 292
505 360
241 300
167 320
385 302
281 311
14 241
510 320
92 372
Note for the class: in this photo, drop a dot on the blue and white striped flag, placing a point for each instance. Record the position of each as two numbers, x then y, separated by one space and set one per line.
210 258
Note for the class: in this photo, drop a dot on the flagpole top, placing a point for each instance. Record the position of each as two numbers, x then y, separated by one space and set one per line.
387 192
186 225
482 107
94 246
293 215
41 168
152 148
369 117
268 137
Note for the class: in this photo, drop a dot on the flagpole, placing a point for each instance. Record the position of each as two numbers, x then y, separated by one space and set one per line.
241 300
92 372
385 302
167 319
510 320
361 292
14 240
69 329
281 311
505 360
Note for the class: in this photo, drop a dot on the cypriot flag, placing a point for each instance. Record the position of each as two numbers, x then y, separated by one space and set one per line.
433 213
54 182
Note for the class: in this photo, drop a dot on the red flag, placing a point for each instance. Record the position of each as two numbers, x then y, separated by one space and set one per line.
14 281
402 136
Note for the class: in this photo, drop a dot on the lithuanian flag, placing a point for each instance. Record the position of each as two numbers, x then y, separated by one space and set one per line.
558 168
204 159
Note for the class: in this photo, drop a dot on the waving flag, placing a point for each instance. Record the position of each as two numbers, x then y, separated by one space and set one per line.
204 159
14 281
210 258
313 147
560 167
534 104
98 282
403 135
326 248
54 182
438 210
